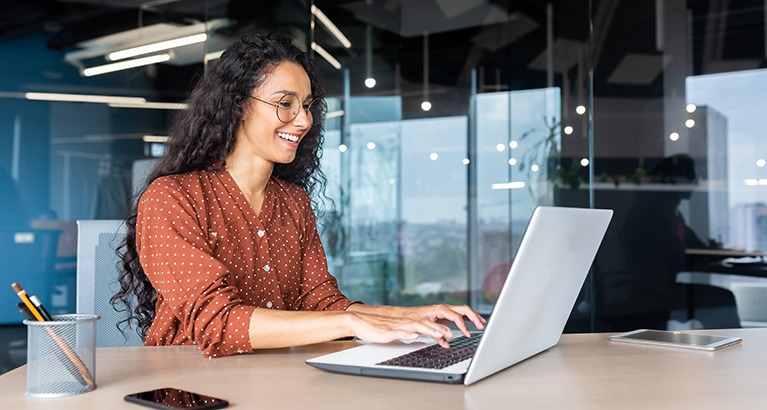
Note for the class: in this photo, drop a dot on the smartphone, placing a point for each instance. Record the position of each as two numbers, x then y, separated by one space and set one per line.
676 339
172 398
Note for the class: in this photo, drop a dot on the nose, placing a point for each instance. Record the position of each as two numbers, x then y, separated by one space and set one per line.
303 119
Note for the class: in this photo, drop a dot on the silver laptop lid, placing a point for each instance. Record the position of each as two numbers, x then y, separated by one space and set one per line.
552 262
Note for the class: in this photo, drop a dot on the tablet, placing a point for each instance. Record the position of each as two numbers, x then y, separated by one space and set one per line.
676 339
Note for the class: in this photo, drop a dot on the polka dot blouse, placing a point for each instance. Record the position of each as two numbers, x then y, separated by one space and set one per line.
212 260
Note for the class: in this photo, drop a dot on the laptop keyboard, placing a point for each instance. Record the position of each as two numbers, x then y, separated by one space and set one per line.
437 357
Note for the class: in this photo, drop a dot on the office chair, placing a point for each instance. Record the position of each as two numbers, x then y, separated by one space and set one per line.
97 269
751 301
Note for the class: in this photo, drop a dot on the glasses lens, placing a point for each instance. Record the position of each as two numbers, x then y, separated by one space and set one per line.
318 109
287 108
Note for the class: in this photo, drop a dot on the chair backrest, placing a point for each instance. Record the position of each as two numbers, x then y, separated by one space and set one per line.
97 269
751 301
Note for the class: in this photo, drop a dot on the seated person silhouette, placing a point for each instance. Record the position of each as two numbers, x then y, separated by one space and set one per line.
655 236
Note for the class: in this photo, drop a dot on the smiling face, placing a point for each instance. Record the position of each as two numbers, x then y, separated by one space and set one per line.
261 133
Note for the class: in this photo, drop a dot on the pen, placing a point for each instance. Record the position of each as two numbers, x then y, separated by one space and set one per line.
43 312
84 375
25 311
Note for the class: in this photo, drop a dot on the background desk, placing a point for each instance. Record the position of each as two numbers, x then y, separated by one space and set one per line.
713 260
584 371
742 273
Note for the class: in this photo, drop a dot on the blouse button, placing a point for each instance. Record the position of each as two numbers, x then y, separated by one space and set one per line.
269 304
261 233
267 268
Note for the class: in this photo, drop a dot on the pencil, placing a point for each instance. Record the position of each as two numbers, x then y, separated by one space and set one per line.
85 375
24 298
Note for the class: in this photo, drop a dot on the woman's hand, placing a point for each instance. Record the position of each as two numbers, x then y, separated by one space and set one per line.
447 313
384 324
384 329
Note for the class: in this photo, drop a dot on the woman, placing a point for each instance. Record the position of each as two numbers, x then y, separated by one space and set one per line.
222 250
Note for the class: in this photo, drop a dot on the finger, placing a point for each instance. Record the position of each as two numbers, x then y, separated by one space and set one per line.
457 319
441 329
439 333
471 315
462 327
455 315
390 335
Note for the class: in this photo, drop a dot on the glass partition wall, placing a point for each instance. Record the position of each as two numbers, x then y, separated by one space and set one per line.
489 109
449 122
450 135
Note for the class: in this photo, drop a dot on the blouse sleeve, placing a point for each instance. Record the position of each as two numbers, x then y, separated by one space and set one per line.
319 289
189 280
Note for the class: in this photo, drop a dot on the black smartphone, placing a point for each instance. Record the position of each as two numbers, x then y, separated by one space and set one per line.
171 398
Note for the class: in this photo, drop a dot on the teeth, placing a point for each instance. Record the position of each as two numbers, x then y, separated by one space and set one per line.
288 137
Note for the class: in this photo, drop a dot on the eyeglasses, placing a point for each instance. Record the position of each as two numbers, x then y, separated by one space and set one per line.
288 107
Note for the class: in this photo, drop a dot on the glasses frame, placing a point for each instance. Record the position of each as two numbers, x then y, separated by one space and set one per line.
317 103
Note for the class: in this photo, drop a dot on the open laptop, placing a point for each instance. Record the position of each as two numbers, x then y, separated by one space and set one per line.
547 274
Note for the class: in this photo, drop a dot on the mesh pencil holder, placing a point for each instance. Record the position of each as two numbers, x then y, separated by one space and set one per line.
61 355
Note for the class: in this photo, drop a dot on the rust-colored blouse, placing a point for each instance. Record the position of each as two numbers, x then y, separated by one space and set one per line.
212 260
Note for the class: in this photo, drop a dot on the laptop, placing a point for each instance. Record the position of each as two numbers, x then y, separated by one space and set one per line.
545 278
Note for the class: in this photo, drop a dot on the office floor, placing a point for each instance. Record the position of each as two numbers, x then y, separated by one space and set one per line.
13 347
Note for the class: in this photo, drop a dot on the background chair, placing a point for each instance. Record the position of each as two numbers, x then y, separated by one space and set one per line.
97 269
751 299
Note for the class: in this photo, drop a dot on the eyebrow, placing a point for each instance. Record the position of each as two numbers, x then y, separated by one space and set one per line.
278 92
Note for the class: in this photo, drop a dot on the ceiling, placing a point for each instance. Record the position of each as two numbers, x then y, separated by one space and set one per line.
68 22
506 39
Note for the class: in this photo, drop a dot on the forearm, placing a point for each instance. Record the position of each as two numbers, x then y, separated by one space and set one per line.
382 324
394 311
280 328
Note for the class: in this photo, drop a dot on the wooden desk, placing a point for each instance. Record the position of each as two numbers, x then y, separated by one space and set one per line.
584 371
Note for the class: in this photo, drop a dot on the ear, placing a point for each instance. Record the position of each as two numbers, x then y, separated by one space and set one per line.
247 110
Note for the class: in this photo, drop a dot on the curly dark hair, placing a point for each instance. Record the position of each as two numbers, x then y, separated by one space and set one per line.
204 134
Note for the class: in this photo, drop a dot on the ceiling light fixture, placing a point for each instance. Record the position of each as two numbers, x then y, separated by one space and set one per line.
86 98
426 104
334 114
124 65
213 55
755 182
370 82
508 185
329 58
331 27
187 42
151 105
155 138
158 46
